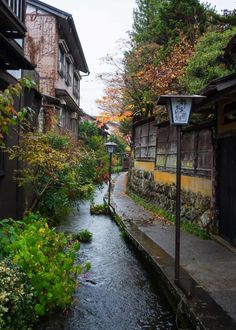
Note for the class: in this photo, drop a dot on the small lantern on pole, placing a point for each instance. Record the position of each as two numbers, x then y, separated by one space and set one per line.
110 147
179 107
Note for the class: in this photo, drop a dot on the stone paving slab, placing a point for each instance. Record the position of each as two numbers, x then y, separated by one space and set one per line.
210 264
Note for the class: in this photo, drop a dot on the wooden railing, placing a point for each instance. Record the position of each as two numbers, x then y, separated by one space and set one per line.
18 8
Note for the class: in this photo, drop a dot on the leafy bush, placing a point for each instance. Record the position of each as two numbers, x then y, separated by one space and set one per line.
55 169
83 236
98 209
72 185
205 65
16 298
96 165
47 257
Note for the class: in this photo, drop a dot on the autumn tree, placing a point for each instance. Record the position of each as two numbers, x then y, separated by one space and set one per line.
52 165
116 103
161 44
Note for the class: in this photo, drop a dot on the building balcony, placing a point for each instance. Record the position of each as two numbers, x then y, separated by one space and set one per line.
12 13
12 56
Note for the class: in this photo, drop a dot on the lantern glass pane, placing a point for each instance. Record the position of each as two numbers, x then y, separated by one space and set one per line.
181 108
110 149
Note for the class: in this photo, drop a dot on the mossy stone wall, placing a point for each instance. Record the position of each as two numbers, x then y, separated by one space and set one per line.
195 207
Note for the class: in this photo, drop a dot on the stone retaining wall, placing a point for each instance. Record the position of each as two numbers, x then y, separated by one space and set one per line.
195 206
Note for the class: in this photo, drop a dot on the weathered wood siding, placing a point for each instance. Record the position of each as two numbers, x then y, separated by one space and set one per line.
159 145
41 46
197 151
145 141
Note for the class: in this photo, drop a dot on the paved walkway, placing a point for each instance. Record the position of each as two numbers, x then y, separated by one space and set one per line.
211 266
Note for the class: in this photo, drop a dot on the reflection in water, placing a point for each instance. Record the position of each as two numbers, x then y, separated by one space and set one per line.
117 294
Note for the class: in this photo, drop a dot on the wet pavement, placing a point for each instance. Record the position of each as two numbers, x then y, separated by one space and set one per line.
119 292
208 275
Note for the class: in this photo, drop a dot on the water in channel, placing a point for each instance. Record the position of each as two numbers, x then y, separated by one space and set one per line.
118 293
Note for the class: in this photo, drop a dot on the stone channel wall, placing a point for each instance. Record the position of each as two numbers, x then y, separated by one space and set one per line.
195 206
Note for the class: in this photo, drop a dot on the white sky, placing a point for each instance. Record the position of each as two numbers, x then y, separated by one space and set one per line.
100 24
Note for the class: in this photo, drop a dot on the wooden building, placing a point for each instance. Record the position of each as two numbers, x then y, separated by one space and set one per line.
53 44
153 173
221 102
208 181
12 64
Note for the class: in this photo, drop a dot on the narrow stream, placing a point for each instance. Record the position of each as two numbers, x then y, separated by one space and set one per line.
118 293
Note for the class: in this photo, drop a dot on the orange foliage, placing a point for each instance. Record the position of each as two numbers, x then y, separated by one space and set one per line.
147 76
163 77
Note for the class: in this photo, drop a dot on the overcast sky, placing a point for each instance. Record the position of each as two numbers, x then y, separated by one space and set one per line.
100 24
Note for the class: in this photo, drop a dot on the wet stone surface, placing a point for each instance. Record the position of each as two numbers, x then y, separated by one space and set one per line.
118 292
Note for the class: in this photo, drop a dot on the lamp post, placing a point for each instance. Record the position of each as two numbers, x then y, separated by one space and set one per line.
179 107
110 146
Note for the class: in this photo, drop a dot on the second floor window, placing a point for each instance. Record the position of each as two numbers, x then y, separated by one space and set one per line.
67 67
61 66
68 76
60 55
76 86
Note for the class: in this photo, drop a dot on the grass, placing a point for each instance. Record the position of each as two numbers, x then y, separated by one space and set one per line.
185 225
84 236
98 209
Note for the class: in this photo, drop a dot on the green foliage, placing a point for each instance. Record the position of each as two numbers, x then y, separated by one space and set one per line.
205 65
72 184
88 129
58 169
98 209
96 164
47 257
193 229
185 225
126 127
228 18
144 20
58 142
84 236
163 34
121 145
161 21
16 298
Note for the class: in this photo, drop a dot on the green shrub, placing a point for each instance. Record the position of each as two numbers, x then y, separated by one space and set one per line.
16 298
83 236
59 199
47 257
98 209
205 65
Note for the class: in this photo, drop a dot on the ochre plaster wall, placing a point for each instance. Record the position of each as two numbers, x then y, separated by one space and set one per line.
191 183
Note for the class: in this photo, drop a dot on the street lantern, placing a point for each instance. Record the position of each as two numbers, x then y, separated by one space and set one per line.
179 107
110 146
